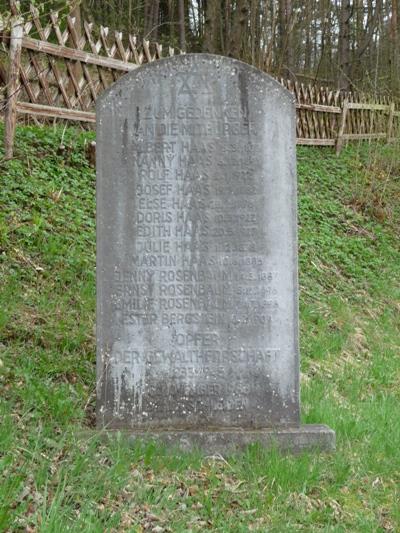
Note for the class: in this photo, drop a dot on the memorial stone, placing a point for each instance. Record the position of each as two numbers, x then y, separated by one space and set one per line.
197 296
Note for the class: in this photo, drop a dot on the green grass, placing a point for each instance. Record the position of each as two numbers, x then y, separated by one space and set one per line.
55 479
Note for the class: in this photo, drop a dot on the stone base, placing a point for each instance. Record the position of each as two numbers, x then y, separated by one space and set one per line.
314 437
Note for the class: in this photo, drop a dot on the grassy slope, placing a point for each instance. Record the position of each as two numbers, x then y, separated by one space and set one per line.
53 479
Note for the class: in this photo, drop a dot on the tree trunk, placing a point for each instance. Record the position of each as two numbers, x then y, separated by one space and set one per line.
346 11
308 45
212 27
286 62
182 35
13 81
395 48
238 29
155 20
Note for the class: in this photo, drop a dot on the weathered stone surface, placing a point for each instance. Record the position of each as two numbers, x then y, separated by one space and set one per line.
197 318
308 437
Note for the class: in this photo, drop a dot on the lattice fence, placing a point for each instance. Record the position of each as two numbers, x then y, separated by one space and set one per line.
57 70
328 118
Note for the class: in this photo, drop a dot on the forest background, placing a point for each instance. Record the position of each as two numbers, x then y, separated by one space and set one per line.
344 44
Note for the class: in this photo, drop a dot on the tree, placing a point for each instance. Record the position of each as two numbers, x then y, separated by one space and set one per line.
347 43
346 13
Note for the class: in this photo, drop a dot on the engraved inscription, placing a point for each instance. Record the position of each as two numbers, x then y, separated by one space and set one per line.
197 292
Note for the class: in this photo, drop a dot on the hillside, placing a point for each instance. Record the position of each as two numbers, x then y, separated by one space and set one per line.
53 477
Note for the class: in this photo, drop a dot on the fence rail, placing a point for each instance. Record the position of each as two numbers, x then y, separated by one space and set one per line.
57 69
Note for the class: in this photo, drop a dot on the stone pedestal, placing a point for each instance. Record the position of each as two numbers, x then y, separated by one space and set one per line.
314 437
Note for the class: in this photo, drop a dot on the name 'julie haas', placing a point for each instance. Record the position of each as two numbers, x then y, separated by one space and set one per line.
153 246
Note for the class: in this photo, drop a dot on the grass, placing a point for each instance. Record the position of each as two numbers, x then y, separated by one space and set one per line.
54 479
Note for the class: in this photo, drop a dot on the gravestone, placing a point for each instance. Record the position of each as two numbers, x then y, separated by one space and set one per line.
197 296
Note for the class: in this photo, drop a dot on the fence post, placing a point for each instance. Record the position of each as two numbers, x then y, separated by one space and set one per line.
10 118
339 140
390 122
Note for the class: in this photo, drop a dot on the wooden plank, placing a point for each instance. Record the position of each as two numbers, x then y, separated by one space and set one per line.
319 107
339 141
60 81
56 27
390 121
27 85
351 124
370 107
317 129
13 86
42 77
362 128
307 122
316 142
132 43
78 38
120 46
78 45
320 116
372 124
89 82
146 50
355 117
3 75
299 114
55 112
359 136
75 55
73 84
43 34
95 49
335 119
327 99
321 100
110 51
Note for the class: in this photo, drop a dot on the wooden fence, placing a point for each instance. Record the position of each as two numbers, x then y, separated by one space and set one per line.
329 118
57 70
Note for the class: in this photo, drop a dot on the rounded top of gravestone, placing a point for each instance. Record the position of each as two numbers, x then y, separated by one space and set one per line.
213 67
